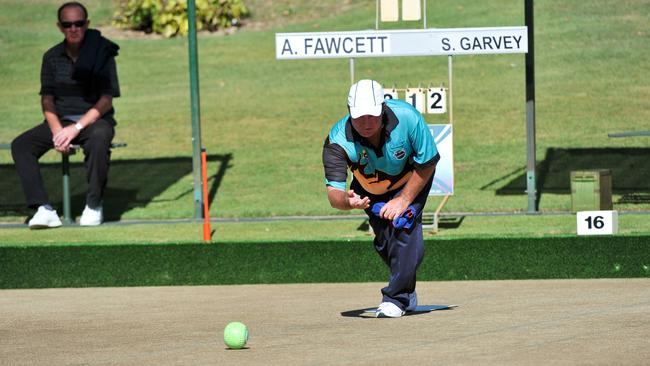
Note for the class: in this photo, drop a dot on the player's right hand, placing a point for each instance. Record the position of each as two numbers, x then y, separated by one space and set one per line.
355 201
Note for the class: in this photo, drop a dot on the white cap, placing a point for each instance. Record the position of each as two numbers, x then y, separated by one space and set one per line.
365 98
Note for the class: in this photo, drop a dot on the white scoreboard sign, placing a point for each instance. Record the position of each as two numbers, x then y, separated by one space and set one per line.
443 180
416 42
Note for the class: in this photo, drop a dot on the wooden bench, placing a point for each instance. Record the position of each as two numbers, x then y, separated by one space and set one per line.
65 164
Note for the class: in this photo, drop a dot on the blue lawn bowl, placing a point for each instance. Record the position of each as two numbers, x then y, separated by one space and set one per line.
404 221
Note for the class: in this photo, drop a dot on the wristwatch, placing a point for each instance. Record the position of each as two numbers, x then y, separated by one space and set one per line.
78 126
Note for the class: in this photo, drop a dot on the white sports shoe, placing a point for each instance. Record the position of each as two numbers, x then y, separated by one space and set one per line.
91 216
44 218
388 310
413 302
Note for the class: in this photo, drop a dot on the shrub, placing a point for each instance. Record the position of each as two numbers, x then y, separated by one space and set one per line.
169 17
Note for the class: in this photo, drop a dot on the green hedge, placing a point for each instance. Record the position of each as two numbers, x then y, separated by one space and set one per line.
169 17
246 263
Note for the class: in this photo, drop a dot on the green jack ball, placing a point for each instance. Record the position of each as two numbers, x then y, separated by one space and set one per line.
235 335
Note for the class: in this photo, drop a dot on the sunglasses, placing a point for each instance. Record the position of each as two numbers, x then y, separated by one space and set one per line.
77 23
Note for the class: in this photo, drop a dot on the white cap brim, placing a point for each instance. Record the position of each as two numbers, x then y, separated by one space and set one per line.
373 110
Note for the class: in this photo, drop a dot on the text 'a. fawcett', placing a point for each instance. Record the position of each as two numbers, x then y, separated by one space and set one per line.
335 46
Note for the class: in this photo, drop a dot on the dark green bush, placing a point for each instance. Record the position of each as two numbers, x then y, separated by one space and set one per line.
169 17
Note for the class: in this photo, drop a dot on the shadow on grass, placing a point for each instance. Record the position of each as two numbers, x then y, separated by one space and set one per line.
450 222
131 184
629 167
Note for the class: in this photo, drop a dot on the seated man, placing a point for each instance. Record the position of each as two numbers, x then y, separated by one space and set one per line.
78 84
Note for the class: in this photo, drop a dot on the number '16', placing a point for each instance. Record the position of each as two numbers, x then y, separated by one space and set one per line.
597 222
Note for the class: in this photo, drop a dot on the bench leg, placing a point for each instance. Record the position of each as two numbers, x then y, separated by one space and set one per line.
67 216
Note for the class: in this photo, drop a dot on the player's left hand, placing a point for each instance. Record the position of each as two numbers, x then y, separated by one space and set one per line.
394 208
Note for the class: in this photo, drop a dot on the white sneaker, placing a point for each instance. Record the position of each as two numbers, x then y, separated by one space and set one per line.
91 216
388 310
44 218
413 302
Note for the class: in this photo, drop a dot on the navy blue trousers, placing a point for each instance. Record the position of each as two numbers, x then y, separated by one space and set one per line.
401 250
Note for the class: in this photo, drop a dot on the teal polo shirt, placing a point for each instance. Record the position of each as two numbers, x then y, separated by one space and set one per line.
406 144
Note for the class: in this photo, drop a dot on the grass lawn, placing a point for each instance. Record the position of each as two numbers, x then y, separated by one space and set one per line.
263 120
524 226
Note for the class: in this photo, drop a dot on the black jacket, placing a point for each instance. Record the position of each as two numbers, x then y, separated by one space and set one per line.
95 52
